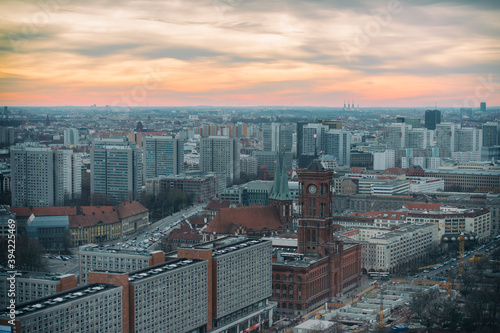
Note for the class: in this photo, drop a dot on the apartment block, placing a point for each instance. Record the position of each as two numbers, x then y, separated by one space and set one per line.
31 286
239 273
44 176
92 258
116 170
220 155
93 308
163 155
402 247
201 187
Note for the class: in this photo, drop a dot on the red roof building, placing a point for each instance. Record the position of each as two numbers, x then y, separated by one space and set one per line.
251 221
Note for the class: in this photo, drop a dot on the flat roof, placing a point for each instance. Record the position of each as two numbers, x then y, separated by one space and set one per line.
225 245
36 275
112 250
162 268
465 172
67 296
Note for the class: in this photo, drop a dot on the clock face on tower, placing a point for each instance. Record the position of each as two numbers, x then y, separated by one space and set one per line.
312 189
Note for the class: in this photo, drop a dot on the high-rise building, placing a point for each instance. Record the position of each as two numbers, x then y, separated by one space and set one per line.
33 285
44 177
338 144
219 286
248 165
397 135
469 139
163 156
92 308
491 134
415 122
277 136
420 138
446 137
482 106
432 118
313 138
116 166
300 138
71 136
6 136
221 155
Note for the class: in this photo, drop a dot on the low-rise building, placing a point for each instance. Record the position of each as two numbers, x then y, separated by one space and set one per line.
390 251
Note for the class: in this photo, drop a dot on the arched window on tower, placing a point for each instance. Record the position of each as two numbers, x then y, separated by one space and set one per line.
308 235
314 236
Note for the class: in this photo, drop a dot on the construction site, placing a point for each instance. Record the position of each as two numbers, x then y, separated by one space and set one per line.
382 307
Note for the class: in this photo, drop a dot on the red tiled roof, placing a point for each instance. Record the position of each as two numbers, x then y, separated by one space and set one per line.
228 220
43 211
216 204
357 170
420 206
88 210
89 220
395 171
130 208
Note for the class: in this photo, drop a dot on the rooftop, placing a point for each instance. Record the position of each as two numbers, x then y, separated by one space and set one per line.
36 275
54 300
464 172
227 244
161 268
94 248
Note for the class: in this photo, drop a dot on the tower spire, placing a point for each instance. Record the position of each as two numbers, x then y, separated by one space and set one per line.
277 179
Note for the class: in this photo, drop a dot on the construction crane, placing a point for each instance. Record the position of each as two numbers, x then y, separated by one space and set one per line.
461 245
265 170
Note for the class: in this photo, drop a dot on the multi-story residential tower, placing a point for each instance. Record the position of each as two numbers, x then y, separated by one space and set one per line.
420 138
276 136
71 136
469 139
116 166
491 134
163 155
93 308
31 286
446 137
220 155
43 176
397 135
432 118
313 138
338 144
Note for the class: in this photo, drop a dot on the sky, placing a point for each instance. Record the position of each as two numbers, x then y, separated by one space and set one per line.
393 53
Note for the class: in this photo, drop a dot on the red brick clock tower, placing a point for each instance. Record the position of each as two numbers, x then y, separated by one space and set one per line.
315 220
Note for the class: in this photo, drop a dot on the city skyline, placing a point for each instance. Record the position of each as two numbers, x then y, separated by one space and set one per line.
234 52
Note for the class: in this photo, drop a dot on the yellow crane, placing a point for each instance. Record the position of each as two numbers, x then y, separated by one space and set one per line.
461 244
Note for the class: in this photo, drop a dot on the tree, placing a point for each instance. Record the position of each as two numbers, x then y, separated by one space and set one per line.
28 253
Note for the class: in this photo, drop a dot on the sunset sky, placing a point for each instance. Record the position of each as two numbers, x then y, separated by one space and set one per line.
245 52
